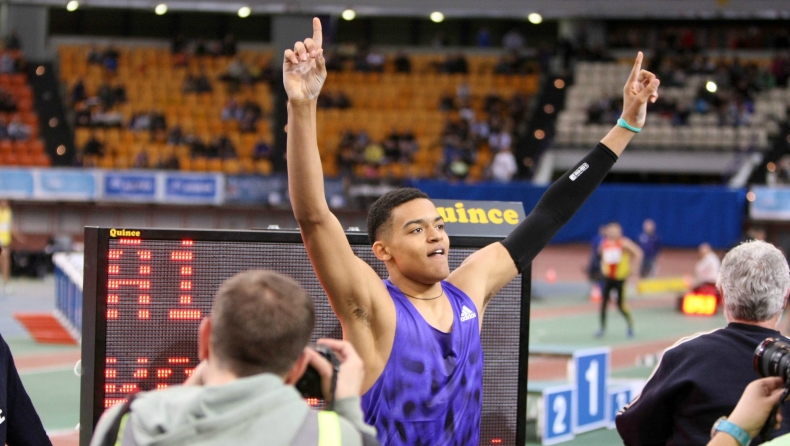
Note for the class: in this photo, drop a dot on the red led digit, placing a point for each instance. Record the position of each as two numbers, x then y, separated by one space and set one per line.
186 284
109 388
115 283
144 255
145 269
109 402
114 269
186 270
144 299
161 386
164 373
112 298
178 360
128 388
110 373
112 313
111 360
496 441
130 241
143 314
185 300
189 372
181 255
313 401
187 242
114 254
140 373
185 314
142 360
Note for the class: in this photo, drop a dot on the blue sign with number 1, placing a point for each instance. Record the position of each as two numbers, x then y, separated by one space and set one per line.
591 375
557 410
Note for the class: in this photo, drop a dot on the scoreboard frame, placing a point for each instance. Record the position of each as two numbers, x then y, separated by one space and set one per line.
94 317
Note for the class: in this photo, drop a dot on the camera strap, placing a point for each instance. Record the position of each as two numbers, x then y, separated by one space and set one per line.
765 432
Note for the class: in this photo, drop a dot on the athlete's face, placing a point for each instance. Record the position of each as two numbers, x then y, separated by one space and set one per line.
417 243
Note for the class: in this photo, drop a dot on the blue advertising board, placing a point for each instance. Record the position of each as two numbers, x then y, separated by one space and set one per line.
16 183
194 188
619 397
557 414
770 203
134 186
66 184
591 376
256 189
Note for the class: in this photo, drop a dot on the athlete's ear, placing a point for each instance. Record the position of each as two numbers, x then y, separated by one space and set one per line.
382 252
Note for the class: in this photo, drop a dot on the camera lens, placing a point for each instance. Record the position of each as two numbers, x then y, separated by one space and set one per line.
772 358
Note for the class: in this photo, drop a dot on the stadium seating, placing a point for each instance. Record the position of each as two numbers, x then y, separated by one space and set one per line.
596 80
27 151
380 102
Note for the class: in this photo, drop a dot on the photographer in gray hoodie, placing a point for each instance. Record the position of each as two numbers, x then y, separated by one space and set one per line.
253 349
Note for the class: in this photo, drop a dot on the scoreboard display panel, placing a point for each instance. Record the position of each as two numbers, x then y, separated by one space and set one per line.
146 291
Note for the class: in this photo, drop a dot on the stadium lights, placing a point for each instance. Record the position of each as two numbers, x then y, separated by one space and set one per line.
72 5
437 17
244 12
711 86
160 9
349 14
535 18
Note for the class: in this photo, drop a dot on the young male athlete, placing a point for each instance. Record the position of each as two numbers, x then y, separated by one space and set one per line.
419 331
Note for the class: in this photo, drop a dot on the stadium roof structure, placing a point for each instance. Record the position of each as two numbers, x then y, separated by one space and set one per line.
551 9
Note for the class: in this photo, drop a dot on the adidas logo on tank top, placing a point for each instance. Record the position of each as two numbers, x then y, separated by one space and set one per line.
467 314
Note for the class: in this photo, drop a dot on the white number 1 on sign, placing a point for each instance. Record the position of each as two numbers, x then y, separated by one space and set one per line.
591 376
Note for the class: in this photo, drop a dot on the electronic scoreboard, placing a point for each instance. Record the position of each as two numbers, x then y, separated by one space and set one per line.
146 291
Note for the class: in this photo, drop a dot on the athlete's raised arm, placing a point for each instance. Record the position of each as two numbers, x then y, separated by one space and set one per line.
347 280
489 269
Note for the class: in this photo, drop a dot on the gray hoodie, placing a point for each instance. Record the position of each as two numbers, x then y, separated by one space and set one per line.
257 410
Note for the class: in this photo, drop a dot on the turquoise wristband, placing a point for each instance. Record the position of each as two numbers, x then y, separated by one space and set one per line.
621 122
732 429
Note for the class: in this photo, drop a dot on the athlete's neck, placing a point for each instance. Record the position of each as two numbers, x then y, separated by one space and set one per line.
416 290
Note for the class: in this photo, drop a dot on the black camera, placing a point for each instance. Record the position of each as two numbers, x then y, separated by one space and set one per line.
309 385
772 358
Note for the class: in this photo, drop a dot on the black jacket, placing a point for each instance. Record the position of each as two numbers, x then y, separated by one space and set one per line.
19 422
698 380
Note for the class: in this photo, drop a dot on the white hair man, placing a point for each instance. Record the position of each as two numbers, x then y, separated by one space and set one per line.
701 377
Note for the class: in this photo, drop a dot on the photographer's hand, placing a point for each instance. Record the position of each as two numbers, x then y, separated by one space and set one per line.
753 408
352 369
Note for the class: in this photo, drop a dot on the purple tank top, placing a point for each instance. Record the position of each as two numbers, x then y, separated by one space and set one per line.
431 390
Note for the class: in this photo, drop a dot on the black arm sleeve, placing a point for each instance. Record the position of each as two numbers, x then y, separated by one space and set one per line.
558 205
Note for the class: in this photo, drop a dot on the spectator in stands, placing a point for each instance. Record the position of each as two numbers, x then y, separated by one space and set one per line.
18 130
236 74
168 163
402 63
93 146
141 160
262 150
82 115
229 45
78 92
483 38
106 95
7 102
175 135
231 111
455 64
783 170
503 166
375 61
7 63
253 350
197 84
651 245
95 56
513 41
499 138
12 41
110 59
688 391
